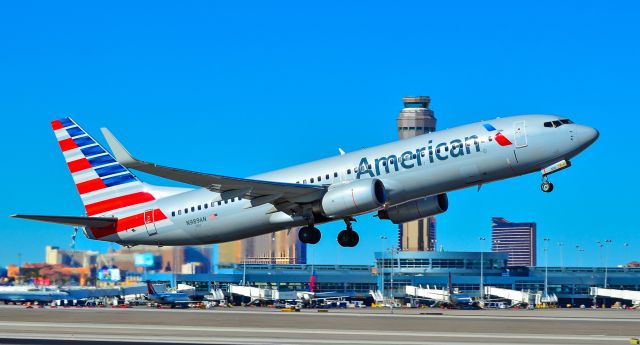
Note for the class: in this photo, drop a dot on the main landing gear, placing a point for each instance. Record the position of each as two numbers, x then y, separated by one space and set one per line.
309 234
348 237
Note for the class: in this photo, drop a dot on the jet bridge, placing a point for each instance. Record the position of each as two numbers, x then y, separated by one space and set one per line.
633 296
253 293
514 296
440 295
258 294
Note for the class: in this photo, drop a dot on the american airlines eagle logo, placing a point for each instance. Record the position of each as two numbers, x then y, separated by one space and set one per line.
500 138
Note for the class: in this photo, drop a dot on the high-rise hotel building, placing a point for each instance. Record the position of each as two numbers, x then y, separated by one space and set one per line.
517 239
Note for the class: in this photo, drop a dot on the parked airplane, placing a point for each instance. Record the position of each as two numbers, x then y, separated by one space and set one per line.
167 298
400 181
36 295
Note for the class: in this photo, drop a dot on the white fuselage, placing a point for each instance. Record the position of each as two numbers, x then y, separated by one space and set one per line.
434 163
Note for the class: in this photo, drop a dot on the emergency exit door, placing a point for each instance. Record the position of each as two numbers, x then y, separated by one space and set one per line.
520 134
149 223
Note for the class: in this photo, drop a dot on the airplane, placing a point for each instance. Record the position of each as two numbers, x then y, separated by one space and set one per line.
36 295
172 299
398 181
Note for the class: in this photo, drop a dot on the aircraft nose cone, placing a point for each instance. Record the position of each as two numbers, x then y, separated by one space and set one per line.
590 135
586 136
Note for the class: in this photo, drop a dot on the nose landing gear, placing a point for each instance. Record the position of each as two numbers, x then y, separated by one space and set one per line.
348 237
546 186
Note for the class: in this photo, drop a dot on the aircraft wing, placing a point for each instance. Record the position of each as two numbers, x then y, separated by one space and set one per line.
261 192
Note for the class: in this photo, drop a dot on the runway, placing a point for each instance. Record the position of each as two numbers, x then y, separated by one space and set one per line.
19 325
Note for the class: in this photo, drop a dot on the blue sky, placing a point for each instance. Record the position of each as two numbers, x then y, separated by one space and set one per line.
239 88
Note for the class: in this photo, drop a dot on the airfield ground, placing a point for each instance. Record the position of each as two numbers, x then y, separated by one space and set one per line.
19 325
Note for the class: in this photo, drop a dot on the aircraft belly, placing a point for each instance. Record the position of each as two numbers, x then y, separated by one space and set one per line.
246 223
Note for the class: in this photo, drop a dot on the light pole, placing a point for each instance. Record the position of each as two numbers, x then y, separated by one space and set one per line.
580 251
626 253
482 267
606 261
383 241
393 251
560 244
600 245
546 267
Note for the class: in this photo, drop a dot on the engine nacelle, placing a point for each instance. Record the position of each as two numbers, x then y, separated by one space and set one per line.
416 209
360 196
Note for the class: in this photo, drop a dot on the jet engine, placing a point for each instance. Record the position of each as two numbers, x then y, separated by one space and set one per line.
360 196
416 209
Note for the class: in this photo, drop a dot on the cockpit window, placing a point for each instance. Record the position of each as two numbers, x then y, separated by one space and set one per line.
558 123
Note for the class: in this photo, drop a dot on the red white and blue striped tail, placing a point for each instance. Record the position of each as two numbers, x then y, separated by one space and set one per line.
104 185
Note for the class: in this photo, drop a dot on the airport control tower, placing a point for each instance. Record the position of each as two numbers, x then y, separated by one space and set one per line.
415 119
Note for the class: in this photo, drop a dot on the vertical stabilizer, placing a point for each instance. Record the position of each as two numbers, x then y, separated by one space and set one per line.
103 184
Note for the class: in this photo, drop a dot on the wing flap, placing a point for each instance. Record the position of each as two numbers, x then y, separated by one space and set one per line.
91 222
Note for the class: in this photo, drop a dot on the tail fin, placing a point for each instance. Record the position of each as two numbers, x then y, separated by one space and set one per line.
103 184
150 289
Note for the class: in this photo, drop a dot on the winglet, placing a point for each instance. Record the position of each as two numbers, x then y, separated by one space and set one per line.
341 151
122 155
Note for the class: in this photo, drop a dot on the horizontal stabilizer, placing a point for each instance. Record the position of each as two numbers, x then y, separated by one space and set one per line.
90 222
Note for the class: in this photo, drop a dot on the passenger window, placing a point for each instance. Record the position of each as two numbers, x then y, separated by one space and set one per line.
179 212
391 161
219 203
186 210
199 208
319 178
304 181
422 154
415 156
206 206
335 174
173 214
438 150
193 209
369 166
348 171
384 163
490 139
297 181
213 203
326 176
226 201
311 180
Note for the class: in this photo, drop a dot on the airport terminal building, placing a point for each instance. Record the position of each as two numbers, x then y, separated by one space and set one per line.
395 270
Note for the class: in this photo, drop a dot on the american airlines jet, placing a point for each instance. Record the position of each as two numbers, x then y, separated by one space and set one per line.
399 181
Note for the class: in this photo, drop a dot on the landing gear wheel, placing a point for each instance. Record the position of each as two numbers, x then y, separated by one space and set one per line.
348 238
546 187
309 234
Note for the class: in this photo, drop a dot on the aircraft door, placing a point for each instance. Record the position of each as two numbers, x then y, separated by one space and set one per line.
149 223
520 134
